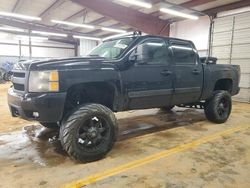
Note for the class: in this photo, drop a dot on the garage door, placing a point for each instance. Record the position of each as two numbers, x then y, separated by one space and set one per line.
231 45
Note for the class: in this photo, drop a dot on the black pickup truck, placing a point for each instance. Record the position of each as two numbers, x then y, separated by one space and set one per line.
79 95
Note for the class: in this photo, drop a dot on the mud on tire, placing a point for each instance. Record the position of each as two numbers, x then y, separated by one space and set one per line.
50 125
89 132
218 107
167 108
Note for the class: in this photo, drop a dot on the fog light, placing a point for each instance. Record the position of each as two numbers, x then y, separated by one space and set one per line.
36 114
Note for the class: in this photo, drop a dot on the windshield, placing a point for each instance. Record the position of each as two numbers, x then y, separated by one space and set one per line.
111 49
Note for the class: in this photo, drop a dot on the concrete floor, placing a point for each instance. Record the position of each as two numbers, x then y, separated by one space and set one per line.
31 156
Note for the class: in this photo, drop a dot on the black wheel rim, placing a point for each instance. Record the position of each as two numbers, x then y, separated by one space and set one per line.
93 133
223 107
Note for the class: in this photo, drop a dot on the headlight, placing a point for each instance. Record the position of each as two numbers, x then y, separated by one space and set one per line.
44 81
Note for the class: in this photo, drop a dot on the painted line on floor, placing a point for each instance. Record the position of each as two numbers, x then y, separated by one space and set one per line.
122 168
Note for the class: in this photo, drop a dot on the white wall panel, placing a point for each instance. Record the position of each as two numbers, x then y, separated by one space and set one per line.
86 46
52 52
223 61
41 49
242 95
223 24
221 52
9 50
196 31
244 65
222 38
241 51
241 36
234 33
242 21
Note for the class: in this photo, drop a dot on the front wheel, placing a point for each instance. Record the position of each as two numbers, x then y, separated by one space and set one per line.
218 107
89 133
50 125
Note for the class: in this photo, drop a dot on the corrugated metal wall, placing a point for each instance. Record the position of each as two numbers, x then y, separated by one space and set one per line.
86 46
39 49
231 45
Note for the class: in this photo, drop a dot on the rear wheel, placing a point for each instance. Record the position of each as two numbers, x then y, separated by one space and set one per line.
89 133
218 107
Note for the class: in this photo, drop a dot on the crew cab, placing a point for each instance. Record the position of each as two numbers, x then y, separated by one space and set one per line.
80 94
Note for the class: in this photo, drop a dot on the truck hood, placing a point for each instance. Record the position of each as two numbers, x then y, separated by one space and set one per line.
64 64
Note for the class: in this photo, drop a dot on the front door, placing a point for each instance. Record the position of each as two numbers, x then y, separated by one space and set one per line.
149 81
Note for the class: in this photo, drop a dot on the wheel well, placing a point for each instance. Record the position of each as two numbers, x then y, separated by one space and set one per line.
97 92
224 84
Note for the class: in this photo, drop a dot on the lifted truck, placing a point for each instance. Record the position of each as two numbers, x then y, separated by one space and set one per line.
79 95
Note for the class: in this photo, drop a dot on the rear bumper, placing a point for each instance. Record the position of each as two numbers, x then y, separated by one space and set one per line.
49 106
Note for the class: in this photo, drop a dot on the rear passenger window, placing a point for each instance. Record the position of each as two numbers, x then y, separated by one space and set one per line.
183 54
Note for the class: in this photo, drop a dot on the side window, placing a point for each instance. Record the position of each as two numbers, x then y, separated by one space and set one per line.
152 52
183 54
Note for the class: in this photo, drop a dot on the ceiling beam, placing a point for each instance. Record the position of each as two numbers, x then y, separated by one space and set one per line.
230 6
94 22
52 7
76 15
52 38
99 30
99 21
17 6
36 26
195 3
141 21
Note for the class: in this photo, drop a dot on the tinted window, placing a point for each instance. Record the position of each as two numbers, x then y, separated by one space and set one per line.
111 49
153 52
183 54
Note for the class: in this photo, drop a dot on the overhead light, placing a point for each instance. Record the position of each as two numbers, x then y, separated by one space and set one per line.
73 24
33 38
11 29
138 3
85 37
49 33
113 30
21 16
118 35
177 13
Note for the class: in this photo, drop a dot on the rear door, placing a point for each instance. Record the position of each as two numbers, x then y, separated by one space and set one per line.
188 79
150 84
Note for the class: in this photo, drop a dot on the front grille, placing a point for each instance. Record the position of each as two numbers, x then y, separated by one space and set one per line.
18 80
19 74
19 87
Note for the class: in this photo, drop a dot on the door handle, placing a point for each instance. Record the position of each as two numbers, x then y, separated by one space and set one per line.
166 72
195 71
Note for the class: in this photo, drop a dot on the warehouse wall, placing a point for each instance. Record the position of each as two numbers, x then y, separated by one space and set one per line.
231 45
9 50
230 41
194 30
86 46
